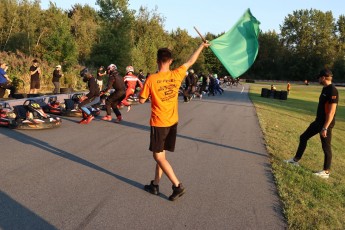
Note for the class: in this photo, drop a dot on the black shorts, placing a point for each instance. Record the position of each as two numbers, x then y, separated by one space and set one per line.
35 85
163 138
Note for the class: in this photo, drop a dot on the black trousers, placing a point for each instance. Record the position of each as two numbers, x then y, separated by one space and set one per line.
313 129
113 100
186 93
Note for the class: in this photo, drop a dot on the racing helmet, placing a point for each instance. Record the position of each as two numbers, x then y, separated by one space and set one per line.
84 72
191 71
111 68
129 69
35 105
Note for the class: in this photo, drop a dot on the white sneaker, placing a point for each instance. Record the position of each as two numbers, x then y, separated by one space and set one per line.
292 161
322 174
200 96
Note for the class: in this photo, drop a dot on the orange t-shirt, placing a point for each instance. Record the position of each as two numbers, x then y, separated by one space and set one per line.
163 88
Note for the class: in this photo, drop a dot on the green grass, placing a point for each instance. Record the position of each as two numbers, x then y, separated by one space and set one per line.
309 202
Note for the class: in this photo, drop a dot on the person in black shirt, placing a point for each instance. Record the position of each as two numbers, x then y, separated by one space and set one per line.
115 81
100 73
35 73
323 124
188 86
141 76
57 74
89 99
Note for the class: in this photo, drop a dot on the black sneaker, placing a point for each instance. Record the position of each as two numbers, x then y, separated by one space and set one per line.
177 192
151 188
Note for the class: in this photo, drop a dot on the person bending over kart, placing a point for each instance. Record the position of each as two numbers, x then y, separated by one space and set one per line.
89 99
131 81
115 81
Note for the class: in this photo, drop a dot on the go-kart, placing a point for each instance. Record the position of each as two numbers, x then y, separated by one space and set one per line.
26 116
7 115
69 108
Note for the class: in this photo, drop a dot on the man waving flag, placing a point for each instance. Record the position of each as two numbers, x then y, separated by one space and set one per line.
238 48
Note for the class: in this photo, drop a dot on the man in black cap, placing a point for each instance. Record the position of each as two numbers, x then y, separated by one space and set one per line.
323 124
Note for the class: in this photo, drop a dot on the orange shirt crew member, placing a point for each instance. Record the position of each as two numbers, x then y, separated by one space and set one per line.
163 88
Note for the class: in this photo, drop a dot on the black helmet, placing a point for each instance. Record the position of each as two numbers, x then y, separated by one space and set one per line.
84 72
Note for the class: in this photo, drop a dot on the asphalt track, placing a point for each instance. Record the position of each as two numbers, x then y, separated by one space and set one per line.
92 176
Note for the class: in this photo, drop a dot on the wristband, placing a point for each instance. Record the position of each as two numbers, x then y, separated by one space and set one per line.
324 129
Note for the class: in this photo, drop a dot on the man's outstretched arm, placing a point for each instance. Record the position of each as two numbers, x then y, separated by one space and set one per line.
195 55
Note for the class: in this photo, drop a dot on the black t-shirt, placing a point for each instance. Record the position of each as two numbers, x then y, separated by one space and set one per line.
195 79
141 77
36 75
93 87
116 81
328 96
100 74
189 80
56 75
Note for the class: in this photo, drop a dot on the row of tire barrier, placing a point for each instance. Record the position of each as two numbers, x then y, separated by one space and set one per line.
28 95
282 95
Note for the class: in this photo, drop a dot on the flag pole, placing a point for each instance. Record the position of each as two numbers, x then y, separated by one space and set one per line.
202 37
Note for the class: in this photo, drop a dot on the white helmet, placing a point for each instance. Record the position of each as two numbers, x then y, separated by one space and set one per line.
191 71
129 69
112 67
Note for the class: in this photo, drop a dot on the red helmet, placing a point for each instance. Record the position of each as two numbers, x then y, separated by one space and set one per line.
129 69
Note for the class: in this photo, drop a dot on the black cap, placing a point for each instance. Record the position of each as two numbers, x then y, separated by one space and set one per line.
325 73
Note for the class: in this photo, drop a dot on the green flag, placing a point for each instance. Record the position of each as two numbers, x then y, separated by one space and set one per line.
238 48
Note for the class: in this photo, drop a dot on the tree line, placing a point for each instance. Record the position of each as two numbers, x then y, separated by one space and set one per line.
83 36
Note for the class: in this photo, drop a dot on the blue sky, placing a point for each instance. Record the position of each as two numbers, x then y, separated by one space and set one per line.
219 15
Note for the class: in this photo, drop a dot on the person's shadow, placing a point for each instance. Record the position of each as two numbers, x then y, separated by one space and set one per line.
21 137
14 215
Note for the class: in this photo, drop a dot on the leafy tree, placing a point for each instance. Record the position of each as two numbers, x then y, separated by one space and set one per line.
310 36
20 29
85 24
212 64
270 59
116 39
57 43
183 46
148 25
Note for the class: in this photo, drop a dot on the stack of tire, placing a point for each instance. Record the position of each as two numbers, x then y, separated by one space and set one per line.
282 95
66 90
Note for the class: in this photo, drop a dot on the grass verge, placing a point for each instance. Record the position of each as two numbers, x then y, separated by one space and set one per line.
309 202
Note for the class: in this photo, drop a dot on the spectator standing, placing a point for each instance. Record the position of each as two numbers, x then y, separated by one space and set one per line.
322 125
57 74
100 73
35 73
288 88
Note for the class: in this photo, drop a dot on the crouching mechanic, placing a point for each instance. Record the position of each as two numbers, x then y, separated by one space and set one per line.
89 99
115 81
131 81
